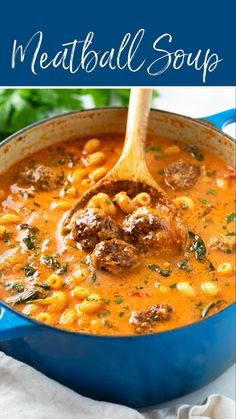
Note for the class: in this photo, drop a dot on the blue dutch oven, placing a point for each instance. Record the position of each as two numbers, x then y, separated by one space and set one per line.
138 370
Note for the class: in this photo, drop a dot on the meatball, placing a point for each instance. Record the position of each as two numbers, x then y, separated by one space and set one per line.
144 321
43 178
114 256
144 229
224 243
92 226
181 175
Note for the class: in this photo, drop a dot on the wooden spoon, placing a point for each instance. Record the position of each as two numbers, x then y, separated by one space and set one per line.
130 173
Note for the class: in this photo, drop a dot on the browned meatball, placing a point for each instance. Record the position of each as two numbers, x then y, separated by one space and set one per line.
222 242
154 228
43 178
114 256
92 226
143 228
181 175
144 321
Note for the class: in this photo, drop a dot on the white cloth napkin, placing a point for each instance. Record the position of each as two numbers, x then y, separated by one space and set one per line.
27 394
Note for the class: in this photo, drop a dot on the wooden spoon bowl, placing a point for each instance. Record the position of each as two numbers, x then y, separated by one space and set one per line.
130 173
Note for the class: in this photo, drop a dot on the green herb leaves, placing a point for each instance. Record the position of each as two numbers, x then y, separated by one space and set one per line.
119 299
212 192
193 150
197 246
53 263
231 217
21 107
205 202
31 239
29 270
184 265
162 272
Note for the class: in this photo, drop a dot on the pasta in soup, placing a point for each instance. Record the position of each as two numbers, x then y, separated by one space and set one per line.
125 265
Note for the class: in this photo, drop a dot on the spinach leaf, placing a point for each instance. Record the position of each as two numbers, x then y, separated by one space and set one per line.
184 265
29 270
197 246
32 292
156 268
53 263
193 150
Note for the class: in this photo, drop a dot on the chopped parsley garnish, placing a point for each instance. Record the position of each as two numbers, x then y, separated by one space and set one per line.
172 286
155 149
231 233
205 202
104 313
121 314
119 299
90 298
231 217
211 192
105 300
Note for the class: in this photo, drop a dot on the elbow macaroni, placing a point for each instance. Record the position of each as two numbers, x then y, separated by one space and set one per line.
127 205
55 281
225 268
185 288
103 201
96 158
92 145
9 219
184 202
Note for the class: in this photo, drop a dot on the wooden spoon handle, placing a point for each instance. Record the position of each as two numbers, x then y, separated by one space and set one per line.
132 164
137 123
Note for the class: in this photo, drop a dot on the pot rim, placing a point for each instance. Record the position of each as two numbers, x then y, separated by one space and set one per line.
197 121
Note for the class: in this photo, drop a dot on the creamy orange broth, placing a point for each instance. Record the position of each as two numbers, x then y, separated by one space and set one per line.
136 289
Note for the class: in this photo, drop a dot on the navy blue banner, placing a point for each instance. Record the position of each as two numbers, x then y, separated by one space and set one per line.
124 43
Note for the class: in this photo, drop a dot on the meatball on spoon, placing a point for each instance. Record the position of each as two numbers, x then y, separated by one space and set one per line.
131 173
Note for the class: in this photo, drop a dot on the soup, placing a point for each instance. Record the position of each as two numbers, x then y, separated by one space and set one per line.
117 269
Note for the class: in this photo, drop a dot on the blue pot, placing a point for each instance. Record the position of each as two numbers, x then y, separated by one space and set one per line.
140 370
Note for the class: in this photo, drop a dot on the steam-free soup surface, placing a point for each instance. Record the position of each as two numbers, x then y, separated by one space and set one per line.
58 278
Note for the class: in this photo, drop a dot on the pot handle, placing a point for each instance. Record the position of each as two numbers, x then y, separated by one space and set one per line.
222 119
13 325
